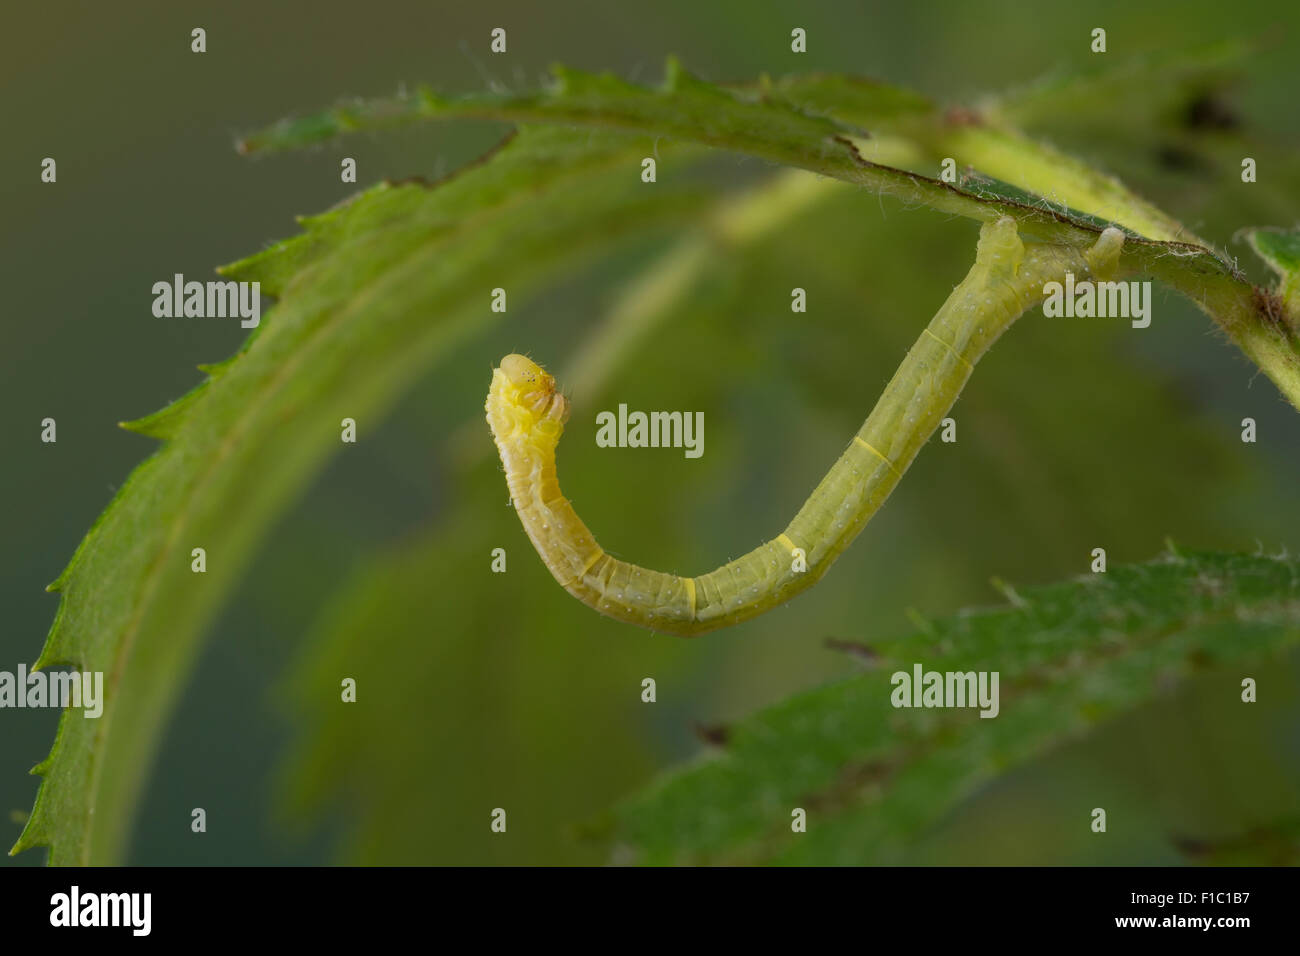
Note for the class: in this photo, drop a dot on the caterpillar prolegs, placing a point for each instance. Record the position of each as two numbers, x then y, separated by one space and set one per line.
527 413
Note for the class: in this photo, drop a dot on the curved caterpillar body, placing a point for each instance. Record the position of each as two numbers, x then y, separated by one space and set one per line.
526 414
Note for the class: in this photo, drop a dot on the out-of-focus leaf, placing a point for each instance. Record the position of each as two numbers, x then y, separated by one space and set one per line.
370 296
689 109
1277 844
1019 494
1157 91
871 776
353 328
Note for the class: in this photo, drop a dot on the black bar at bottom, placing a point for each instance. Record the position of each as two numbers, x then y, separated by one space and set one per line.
332 905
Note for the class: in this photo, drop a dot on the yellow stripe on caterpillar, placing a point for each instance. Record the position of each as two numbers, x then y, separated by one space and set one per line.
526 413
871 448
955 354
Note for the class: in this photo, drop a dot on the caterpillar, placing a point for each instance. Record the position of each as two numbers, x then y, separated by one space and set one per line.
526 413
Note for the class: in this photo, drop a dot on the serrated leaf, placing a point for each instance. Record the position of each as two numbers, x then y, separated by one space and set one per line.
866 103
767 127
872 777
370 295
744 120
992 189
1034 174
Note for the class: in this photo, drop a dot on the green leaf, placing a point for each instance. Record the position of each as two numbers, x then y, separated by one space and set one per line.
873 777
992 189
1273 844
1035 174
868 104
446 740
686 108
374 292
1280 248
769 127
1162 90
370 295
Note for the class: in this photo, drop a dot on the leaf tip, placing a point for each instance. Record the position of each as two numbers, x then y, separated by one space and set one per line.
30 838
50 657
164 423
147 426
35 831
919 621
1011 595
676 76
215 370
43 768
429 100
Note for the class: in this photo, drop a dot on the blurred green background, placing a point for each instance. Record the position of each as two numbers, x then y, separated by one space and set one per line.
481 690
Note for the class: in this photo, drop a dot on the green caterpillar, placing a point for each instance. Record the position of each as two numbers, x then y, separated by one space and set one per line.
527 414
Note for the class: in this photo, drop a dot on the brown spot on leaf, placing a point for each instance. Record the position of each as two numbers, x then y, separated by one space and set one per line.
715 735
1269 307
862 652
962 116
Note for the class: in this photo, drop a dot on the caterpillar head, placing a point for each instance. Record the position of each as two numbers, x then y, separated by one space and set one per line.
535 389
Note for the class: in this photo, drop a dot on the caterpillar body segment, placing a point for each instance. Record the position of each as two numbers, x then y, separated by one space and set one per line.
526 414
